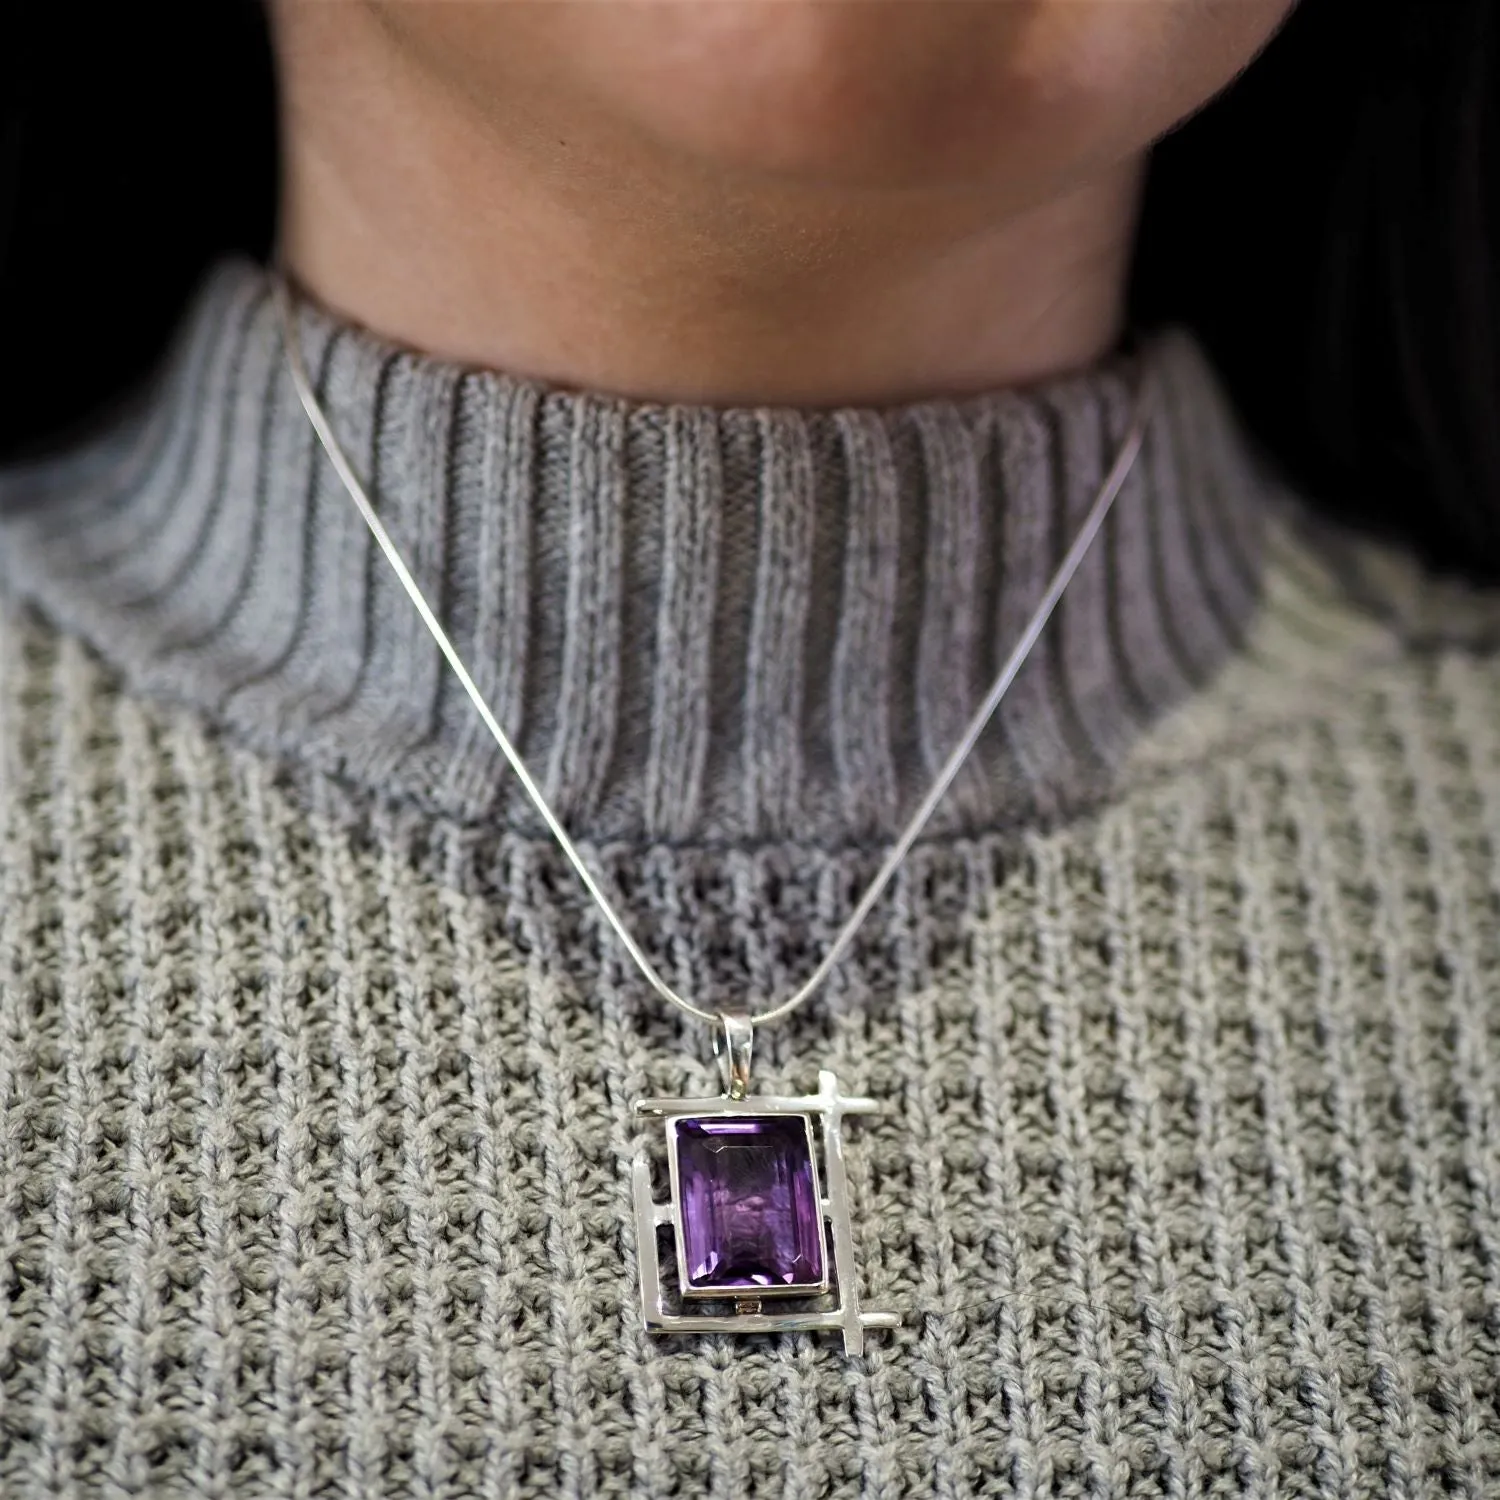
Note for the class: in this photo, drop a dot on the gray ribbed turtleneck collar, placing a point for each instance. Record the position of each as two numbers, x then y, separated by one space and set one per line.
700 623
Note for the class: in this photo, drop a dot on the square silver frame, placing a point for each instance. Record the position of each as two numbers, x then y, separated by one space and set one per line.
845 1316
723 1294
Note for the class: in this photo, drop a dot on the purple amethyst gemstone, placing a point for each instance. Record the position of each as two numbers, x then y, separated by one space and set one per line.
750 1210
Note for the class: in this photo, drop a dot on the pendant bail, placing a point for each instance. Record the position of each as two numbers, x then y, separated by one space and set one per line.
732 1044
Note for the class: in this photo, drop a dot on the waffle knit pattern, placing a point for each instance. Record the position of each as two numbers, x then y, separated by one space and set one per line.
316 1066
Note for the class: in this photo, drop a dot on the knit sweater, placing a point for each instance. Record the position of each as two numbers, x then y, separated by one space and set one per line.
317 1064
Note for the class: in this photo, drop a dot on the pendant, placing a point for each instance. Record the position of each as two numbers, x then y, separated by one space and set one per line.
753 1219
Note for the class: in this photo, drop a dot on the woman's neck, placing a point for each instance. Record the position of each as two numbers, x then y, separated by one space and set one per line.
532 232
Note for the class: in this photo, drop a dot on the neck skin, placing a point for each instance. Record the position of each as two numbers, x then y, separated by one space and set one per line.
530 234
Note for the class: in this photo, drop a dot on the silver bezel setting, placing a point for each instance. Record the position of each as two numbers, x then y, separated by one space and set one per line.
839 1282
736 1110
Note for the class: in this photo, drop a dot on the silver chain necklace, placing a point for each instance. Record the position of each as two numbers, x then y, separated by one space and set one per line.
750 1213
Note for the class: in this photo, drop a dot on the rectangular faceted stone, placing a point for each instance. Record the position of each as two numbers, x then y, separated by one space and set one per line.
749 1204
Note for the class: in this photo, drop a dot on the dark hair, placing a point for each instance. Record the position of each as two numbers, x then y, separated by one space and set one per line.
1326 225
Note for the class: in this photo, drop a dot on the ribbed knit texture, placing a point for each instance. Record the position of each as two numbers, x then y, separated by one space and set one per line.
316 1065
696 623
